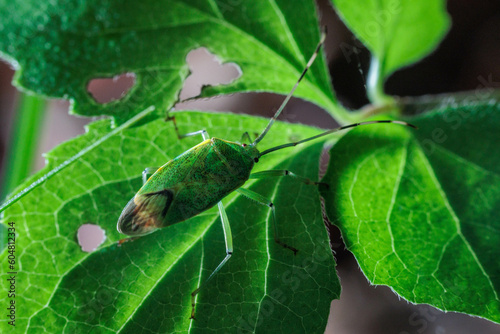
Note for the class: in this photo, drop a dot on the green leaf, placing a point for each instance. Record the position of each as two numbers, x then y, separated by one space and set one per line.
419 208
59 47
397 32
146 284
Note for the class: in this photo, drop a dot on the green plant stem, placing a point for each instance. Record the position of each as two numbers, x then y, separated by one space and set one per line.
344 117
375 84
24 141
74 158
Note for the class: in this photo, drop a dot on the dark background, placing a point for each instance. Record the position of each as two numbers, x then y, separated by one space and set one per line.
467 59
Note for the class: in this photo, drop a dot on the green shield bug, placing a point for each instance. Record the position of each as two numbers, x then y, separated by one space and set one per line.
175 193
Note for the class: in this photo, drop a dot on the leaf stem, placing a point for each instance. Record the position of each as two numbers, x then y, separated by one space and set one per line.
375 84
24 139
68 162
345 117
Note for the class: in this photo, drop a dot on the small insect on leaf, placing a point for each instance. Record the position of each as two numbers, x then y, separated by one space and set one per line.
201 177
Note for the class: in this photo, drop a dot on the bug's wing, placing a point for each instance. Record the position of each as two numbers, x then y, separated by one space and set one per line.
145 212
186 167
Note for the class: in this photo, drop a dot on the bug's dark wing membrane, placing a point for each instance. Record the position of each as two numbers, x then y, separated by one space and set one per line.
159 200
145 213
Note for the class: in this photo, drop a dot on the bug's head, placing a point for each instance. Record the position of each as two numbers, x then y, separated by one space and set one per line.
252 152
135 220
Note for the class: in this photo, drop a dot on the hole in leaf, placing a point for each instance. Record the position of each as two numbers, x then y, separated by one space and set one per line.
90 237
206 69
105 90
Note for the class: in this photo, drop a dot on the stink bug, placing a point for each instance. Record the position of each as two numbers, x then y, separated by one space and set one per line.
218 167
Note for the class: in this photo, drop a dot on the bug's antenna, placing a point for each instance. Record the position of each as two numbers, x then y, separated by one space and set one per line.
272 149
285 101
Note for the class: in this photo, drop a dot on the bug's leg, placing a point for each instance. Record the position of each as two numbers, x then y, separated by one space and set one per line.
228 238
203 133
264 201
124 240
283 172
148 171
245 138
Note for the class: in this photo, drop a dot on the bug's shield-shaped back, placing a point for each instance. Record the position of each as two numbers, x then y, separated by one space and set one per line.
143 213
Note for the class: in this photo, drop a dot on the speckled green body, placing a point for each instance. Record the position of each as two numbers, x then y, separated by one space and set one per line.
187 185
